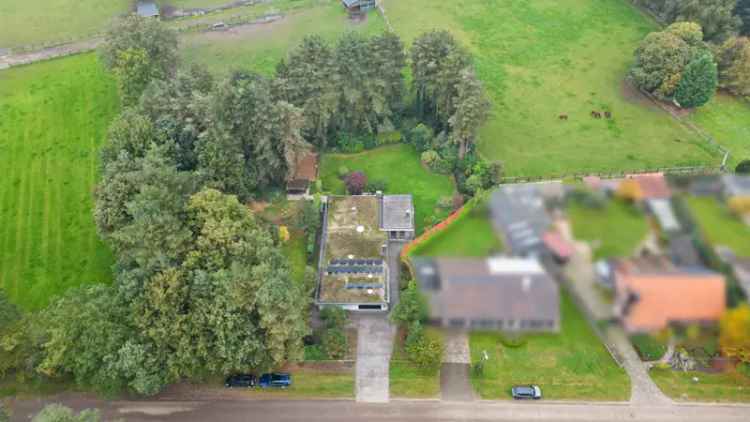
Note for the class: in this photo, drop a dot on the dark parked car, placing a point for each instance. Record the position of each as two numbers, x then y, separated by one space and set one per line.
521 392
275 380
241 381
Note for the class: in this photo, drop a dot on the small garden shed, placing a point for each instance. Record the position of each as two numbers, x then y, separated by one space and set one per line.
358 8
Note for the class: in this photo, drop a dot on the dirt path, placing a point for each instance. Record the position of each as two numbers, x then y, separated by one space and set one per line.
49 53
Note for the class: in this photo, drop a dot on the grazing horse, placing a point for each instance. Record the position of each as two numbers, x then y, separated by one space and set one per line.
607 114
595 114
563 117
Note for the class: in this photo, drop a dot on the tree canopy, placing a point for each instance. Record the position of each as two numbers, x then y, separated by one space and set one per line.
717 17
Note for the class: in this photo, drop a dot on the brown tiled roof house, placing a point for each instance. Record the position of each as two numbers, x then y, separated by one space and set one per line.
305 172
651 293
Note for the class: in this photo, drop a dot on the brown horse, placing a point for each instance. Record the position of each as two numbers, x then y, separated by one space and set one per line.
563 117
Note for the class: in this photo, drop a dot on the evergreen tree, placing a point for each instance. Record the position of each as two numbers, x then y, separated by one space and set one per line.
472 109
698 83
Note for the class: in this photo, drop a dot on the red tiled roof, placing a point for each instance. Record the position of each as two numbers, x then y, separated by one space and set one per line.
307 167
670 296
653 186
557 244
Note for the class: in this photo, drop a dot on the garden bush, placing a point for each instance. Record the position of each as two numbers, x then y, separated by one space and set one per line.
335 343
426 353
648 347
315 352
388 138
743 167
377 185
513 341
333 317
429 157
421 137
343 171
355 182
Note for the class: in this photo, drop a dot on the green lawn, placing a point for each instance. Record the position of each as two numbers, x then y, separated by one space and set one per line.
400 168
407 380
25 22
295 251
613 231
719 225
472 236
261 47
540 59
570 365
721 387
312 383
726 119
54 117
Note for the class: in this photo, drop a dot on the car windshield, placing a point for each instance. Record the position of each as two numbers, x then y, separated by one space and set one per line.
276 377
525 390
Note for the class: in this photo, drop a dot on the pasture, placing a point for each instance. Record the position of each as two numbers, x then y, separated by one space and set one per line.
54 117
540 59
260 47
25 22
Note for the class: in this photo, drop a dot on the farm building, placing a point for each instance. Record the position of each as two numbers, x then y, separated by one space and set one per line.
147 9
358 7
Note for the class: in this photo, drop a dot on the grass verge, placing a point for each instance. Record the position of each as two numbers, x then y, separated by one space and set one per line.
719 225
721 387
409 381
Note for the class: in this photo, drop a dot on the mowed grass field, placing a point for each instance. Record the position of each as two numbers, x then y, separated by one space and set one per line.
260 47
539 59
54 117
24 22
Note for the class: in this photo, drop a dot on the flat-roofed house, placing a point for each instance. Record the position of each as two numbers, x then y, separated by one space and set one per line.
651 293
354 271
499 293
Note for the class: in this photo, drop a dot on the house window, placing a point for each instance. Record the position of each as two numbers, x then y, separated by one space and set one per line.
499 323
475 323
457 322
511 324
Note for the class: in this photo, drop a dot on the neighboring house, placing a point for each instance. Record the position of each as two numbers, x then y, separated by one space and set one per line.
741 270
519 215
706 186
353 272
736 186
147 9
682 251
651 293
662 210
305 172
499 293
358 7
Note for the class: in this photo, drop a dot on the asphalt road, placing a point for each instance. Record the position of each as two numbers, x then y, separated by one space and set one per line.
395 411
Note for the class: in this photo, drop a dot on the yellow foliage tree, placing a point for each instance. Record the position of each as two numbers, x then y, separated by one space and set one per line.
740 205
629 189
734 337
283 233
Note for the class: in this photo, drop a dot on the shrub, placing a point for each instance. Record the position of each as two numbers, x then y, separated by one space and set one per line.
445 202
743 167
343 172
648 347
388 138
315 352
427 353
458 201
415 334
421 137
355 182
335 343
333 317
411 307
377 185
429 157
733 59
473 184
740 205
513 341
698 83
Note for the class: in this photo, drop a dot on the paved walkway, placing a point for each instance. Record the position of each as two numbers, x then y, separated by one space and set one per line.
374 346
454 373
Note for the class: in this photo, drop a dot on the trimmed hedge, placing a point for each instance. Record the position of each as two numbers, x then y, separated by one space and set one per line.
648 347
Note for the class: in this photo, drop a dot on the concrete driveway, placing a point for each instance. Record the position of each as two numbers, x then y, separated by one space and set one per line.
454 373
374 347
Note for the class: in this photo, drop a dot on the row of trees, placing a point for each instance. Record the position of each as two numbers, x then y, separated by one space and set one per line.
699 51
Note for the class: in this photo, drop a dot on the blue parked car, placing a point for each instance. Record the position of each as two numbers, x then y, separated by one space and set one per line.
275 380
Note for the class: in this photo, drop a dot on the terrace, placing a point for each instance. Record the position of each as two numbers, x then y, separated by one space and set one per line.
352 270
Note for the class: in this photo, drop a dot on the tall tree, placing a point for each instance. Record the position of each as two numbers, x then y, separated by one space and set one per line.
734 66
387 62
307 79
698 83
743 12
138 50
472 110
437 62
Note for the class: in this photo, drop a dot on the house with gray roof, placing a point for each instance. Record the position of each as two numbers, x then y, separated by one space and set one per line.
736 186
520 217
498 293
147 9
397 216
